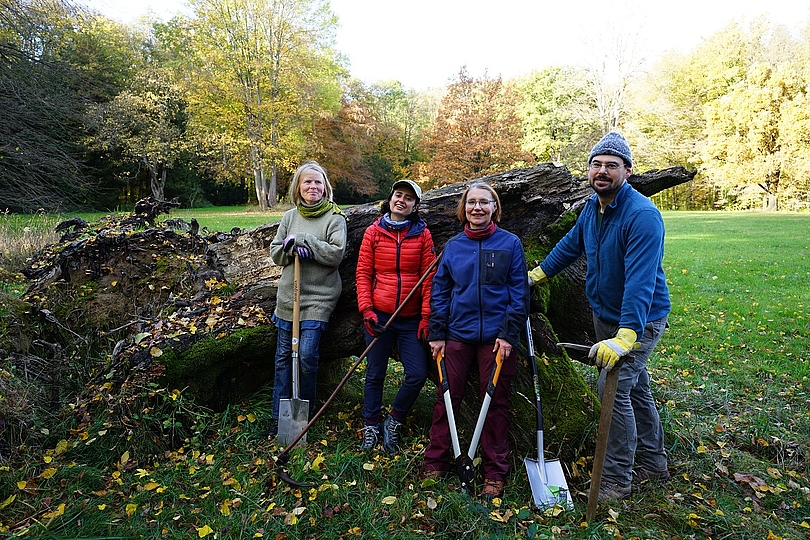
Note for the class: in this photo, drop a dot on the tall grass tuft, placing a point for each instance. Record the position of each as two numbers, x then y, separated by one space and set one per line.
21 236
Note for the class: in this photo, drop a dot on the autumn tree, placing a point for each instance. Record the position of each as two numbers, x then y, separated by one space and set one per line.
477 131
260 72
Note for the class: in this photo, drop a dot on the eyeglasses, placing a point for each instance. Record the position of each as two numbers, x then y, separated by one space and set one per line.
471 203
610 165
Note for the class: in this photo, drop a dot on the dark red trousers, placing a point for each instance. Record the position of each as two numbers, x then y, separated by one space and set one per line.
459 360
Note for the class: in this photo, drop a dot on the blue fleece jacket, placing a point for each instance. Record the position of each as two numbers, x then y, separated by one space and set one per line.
625 282
480 291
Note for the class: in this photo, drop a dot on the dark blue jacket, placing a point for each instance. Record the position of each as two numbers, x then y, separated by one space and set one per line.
480 290
625 282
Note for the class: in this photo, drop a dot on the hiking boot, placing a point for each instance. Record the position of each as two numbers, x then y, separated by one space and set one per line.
492 489
371 436
641 475
273 431
609 491
391 431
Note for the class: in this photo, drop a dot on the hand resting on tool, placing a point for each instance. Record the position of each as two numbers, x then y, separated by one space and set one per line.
304 252
288 243
608 351
537 276
372 322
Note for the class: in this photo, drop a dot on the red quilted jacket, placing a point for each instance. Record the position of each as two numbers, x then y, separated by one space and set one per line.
389 265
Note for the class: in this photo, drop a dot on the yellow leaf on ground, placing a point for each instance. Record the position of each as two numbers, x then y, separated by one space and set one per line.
56 513
8 501
131 507
155 352
316 463
150 486
368 466
21 484
233 482
389 500
225 509
124 458
61 447
204 531
48 473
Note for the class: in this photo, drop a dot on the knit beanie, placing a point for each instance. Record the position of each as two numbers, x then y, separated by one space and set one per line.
613 144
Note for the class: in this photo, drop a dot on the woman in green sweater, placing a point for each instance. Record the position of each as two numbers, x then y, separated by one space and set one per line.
315 231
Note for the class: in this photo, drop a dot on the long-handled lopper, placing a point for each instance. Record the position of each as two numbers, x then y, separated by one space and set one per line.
546 476
464 463
605 417
293 413
284 456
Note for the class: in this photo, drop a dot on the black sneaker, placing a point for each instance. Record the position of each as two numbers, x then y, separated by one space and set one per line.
371 436
273 431
391 433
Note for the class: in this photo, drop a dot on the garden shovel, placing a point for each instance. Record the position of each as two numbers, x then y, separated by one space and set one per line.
293 414
546 477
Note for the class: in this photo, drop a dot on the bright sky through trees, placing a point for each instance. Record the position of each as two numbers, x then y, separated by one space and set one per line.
423 43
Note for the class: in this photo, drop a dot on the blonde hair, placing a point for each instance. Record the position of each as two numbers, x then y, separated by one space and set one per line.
295 184
461 213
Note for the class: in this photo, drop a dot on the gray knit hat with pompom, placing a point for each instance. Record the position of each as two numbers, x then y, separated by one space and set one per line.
613 144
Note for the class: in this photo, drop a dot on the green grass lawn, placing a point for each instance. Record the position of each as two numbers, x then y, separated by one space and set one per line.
730 375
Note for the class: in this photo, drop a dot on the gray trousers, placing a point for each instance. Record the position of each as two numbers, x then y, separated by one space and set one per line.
636 434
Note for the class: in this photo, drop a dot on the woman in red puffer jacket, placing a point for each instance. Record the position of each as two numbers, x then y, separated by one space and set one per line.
397 250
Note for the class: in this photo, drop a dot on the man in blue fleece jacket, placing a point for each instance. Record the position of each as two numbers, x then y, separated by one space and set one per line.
621 232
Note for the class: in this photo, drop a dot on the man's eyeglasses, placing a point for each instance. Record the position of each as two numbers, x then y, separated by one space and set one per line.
471 203
610 165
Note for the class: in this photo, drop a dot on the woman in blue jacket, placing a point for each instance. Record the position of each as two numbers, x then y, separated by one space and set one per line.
478 306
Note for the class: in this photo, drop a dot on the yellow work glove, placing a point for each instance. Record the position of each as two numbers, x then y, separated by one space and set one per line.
608 351
537 276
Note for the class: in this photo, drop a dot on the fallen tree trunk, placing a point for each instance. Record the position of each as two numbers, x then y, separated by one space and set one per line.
535 203
539 205
203 324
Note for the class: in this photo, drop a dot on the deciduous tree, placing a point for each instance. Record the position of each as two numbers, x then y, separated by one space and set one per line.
261 71
477 131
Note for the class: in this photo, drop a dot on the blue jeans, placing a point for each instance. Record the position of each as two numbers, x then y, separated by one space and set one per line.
414 361
636 435
308 356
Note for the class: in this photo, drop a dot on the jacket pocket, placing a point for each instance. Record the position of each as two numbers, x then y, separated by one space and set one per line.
496 266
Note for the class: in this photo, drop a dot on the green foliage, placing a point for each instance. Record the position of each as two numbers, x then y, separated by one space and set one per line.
559 118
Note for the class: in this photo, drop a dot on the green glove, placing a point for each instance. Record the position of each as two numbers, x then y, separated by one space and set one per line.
608 351
537 276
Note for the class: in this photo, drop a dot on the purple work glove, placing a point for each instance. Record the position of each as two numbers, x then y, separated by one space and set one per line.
304 252
288 243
